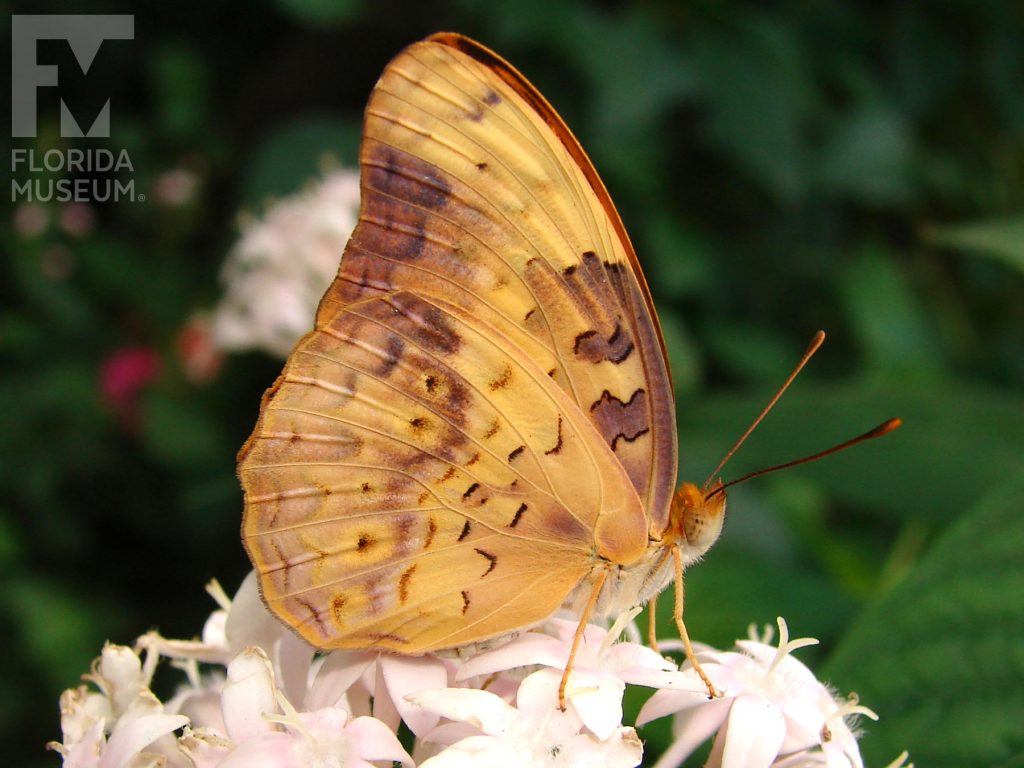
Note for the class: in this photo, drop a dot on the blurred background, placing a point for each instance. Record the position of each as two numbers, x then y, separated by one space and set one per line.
781 168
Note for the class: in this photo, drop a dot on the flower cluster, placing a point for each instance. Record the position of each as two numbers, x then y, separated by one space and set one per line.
283 263
256 695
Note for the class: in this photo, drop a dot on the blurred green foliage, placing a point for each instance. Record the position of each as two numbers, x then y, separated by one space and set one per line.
783 167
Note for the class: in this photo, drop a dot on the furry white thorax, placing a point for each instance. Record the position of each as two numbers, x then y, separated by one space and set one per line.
633 585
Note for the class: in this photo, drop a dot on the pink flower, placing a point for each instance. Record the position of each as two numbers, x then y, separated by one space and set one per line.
124 374
176 187
200 357
76 219
31 220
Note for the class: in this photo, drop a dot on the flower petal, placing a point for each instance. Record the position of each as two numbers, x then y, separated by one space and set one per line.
248 694
132 736
337 673
478 708
405 675
597 699
249 622
377 742
755 731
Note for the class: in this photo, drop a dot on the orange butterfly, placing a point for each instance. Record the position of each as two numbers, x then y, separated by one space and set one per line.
481 428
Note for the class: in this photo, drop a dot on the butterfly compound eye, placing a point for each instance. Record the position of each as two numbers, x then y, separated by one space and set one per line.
697 517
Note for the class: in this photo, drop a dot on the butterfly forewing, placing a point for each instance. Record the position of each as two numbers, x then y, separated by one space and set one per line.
475 193
417 481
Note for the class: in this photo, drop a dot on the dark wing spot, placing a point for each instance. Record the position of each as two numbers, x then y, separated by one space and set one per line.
465 602
448 475
492 99
558 445
431 530
502 381
365 542
418 423
529 314
516 453
366 488
568 271
492 430
492 560
430 383
338 609
473 459
582 339
403 583
404 177
470 491
616 420
465 531
625 352
519 514
616 348
481 166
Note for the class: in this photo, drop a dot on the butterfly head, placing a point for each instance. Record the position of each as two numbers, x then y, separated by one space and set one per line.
696 517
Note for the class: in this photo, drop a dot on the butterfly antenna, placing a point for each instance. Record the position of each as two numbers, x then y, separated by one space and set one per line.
882 429
816 342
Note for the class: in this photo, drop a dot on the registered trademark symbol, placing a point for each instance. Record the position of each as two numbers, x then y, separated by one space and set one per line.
142 197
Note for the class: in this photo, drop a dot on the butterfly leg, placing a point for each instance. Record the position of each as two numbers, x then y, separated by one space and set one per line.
677 614
652 606
587 610
652 623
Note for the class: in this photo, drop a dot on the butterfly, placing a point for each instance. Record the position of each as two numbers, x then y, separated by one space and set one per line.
480 430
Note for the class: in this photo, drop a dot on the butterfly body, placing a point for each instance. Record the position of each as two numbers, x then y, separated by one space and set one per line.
480 430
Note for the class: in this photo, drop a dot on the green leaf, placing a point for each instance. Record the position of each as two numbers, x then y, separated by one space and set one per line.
868 157
752 353
1000 239
888 318
940 658
758 90
181 90
290 158
957 438
58 630
319 12
732 588
176 431
684 358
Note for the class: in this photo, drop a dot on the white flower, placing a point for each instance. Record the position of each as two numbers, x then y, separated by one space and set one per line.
277 272
772 710
601 669
256 696
124 724
533 733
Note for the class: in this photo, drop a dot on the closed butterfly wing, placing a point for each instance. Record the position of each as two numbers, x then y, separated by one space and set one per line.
476 193
416 481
